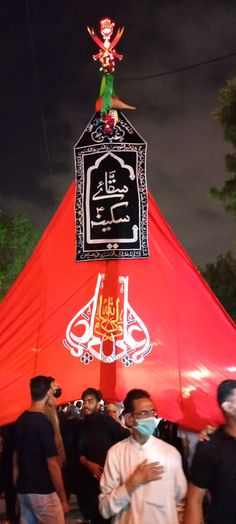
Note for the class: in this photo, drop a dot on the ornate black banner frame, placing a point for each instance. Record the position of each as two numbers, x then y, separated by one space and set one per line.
111 193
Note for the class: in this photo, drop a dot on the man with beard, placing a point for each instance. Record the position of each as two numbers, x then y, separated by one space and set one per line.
96 434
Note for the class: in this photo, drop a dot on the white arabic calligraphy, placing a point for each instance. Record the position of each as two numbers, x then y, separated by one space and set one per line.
110 190
126 347
98 134
107 189
113 219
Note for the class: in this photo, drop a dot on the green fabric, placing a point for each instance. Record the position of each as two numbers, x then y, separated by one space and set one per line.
102 87
106 92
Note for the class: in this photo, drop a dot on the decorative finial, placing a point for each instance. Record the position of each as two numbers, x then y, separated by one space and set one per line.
107 54
108 101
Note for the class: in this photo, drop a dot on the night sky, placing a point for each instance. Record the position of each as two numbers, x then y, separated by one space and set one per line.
49 84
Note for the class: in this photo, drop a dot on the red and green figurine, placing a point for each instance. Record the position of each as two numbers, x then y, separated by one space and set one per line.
108 102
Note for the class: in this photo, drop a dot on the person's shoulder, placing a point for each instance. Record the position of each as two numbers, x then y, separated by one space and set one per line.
39 419
105 419
119 447
20 417
165 446
114 424
208 449
213 440
108 420
23 416
218 434
217 438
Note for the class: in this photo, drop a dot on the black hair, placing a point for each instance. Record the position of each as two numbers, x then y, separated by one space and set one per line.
51 379
39 387
134 394
94 392
224 390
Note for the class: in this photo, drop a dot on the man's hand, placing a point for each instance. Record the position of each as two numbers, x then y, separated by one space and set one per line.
56 477
144 473
206 433
95 469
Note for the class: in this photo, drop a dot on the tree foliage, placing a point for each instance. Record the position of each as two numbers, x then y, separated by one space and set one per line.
221 277
226 116
17 241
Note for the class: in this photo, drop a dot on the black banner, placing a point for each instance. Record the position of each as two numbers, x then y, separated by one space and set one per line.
111 193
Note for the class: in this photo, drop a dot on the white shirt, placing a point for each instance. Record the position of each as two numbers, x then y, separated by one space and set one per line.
152 503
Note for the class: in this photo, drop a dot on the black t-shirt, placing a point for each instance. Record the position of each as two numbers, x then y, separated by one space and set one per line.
214 468
96 434
72 466
35 443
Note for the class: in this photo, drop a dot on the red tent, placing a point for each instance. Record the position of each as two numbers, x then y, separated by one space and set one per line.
185 342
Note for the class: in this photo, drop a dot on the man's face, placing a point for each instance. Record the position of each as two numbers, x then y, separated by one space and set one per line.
54 386
142 408
231 404
49 397
90 405
54 392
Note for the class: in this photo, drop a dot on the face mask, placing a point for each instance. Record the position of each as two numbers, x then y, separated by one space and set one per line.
145 426
57 393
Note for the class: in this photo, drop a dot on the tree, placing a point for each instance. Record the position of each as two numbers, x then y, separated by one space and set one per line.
221 277
17 241
226 116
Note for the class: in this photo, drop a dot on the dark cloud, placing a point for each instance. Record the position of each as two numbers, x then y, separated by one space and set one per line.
50 82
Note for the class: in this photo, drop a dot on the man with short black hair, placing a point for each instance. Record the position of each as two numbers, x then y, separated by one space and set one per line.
97 432
39 482
143 481
92 392
214 467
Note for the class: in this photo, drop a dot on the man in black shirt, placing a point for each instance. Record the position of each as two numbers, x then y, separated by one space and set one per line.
39 483
96 434
214 467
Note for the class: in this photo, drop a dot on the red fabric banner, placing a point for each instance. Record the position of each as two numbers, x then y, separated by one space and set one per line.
161 327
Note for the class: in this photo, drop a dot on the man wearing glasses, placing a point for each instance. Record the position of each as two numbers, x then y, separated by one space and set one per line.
143 480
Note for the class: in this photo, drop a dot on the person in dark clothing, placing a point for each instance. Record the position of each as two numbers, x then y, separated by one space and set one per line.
214 467
97 433
7 484
69 426
39 482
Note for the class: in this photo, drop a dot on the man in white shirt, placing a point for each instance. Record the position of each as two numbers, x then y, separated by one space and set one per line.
143 480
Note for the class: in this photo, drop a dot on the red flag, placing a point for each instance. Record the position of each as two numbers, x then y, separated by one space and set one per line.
114 325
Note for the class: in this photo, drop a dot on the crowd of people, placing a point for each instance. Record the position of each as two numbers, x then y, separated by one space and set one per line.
123 463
